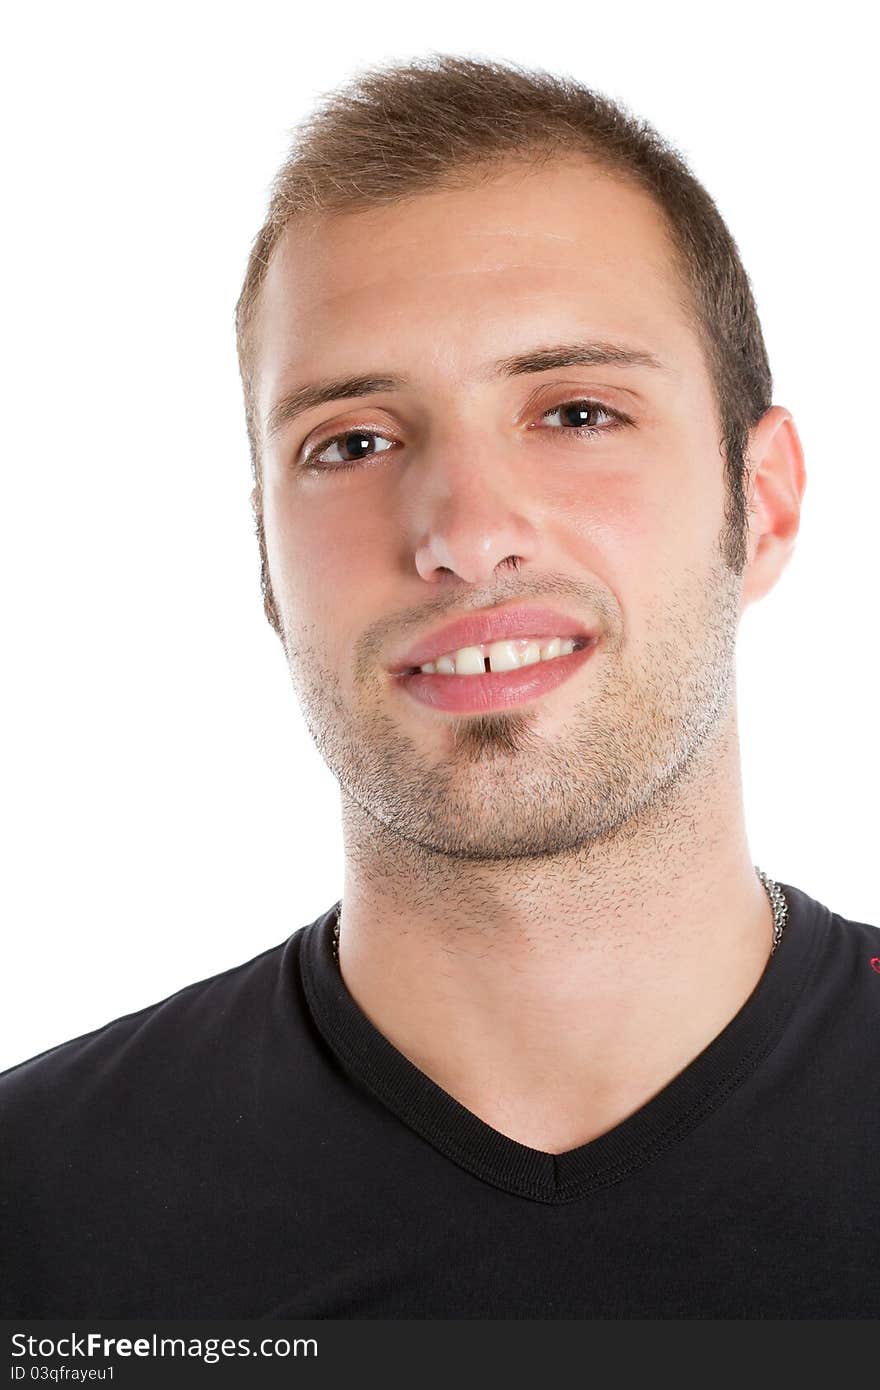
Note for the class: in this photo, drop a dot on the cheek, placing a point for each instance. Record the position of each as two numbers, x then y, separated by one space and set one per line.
659 506
609 520
646 533
325 562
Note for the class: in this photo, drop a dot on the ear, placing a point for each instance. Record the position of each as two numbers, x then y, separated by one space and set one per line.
776 483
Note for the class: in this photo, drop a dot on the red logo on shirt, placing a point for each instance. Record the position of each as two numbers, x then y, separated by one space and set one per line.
875 964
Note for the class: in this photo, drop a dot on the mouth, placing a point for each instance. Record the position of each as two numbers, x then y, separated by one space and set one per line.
496 675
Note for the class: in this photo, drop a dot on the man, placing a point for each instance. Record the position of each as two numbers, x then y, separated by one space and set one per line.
559 1051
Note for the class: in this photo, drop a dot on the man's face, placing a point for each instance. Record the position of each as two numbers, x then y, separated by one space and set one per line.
464 466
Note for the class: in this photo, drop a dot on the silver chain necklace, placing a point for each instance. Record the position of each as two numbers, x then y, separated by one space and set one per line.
777 902
774 893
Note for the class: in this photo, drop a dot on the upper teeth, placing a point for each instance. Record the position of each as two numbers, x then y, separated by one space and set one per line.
503 656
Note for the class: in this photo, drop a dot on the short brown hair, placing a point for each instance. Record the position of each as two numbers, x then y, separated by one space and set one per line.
443 121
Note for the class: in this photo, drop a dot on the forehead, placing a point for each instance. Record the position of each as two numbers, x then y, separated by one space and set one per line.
438 282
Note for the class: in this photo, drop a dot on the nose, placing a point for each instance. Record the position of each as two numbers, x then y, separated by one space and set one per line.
471 514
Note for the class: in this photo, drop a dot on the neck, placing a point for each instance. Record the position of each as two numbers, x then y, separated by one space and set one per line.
553 996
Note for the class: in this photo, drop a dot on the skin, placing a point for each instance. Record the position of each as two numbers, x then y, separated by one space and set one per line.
551 910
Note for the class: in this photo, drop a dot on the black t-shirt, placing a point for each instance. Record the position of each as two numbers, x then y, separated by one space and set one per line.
254 1147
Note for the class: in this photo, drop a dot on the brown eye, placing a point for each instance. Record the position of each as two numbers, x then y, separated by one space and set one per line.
579 414
357 444
346 449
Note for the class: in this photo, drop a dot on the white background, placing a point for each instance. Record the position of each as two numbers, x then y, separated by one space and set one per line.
165 813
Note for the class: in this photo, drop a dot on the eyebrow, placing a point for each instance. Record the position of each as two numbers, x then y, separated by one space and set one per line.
540 359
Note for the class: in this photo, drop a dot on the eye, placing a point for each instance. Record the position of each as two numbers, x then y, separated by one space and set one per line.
344 450
584 417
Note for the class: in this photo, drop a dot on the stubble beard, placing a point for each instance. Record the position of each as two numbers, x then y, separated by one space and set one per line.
505 790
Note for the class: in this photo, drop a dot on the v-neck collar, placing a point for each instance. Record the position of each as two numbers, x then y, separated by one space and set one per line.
370 1059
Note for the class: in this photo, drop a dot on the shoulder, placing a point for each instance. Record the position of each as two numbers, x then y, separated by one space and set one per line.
156 1042
862 939
835 928
113 1143
859 944
841 985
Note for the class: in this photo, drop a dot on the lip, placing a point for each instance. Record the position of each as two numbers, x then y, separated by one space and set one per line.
494 689
490 625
